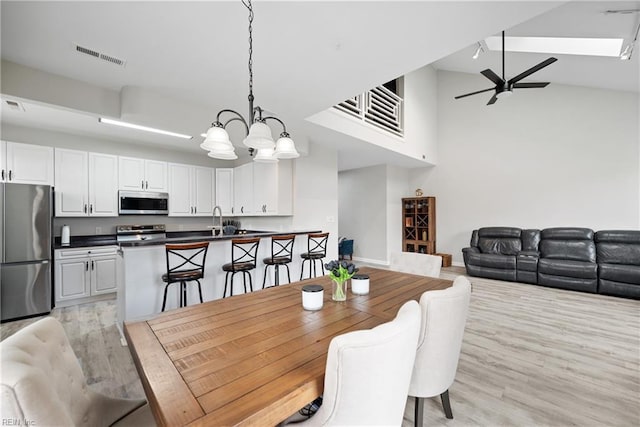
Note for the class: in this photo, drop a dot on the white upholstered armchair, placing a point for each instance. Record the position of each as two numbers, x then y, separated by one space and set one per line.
42 383
368 372
444 314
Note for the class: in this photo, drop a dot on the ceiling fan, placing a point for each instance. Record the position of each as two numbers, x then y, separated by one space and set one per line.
505 87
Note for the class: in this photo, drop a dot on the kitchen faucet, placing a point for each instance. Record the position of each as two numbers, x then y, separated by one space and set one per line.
219 209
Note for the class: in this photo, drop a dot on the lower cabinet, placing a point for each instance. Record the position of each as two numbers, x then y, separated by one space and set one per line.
82 273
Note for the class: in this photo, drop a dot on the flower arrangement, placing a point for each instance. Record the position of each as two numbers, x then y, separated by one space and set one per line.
340 272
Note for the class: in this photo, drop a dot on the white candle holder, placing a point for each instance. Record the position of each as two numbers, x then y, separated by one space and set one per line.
312 297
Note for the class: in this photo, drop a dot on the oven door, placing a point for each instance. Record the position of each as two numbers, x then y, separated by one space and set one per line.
143 203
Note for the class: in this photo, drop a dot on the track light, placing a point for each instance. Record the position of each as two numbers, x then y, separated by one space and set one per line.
479 50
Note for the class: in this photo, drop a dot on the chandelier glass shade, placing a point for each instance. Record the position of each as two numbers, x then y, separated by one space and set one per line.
285 148
265 155
258 133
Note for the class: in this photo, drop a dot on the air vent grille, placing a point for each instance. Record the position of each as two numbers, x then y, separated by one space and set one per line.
99 55
14 105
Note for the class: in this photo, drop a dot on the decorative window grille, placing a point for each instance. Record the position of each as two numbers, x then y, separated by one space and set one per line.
379 106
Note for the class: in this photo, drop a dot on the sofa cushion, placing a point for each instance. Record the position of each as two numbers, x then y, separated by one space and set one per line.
492 260
530 240
621 273
618 247
575 250
610 287
499 246
506 232
567 233
568 268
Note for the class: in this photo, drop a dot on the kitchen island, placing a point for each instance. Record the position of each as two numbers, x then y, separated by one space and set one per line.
141 289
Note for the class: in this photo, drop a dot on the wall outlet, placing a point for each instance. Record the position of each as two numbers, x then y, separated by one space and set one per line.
98 230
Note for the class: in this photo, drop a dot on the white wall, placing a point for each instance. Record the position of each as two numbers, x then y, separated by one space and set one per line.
363 216
397 183
419 142
559 156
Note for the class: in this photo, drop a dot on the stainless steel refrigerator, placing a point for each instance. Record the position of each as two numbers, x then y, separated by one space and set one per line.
25 250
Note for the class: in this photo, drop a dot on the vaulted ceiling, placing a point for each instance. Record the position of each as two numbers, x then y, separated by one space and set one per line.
187 60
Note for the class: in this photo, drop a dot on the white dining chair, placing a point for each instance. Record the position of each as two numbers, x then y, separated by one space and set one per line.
444 315
415 263
368 373
43 384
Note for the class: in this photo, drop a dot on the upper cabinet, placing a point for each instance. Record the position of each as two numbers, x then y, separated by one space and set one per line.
224 190
190 190
86 183
243 189
26 163
142 175
263 189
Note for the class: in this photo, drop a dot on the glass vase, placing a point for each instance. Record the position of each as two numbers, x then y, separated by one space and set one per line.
339 290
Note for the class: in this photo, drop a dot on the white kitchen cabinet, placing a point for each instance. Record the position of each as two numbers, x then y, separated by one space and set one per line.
26 163
224 190
190 190
86 183
267 188
243 190
82 273
142 175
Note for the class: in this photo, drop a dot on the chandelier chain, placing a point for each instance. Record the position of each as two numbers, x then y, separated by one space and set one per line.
247 4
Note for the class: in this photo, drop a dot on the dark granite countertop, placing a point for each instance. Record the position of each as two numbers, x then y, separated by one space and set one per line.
205 236
172 237
86 241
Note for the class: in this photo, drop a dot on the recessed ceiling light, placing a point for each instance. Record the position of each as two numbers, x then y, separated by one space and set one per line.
559 45
144 128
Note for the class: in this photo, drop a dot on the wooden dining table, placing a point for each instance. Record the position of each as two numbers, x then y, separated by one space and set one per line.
255 359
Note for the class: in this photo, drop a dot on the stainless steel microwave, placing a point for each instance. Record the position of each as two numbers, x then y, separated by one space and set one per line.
143 203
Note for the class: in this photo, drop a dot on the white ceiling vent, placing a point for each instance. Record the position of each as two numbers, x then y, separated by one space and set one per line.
99 55
14 105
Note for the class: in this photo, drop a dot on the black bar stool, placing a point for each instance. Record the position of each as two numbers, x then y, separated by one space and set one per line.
243 260
316 250
185 263
281 250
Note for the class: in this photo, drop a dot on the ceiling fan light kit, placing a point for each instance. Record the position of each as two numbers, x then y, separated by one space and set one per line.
258 133
503 87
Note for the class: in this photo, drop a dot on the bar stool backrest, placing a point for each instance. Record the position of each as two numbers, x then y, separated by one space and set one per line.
282 246
244 251
317 244
186 258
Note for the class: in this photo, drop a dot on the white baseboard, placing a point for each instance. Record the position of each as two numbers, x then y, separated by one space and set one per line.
372 261
457 264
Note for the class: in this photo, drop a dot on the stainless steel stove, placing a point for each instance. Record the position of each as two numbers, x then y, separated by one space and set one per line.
131 233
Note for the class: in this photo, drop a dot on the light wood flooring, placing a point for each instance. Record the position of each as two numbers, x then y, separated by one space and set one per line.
531 356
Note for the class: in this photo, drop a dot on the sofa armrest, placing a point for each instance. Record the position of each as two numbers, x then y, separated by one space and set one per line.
529 254
470 249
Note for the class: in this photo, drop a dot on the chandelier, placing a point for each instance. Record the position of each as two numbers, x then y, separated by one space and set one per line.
258 134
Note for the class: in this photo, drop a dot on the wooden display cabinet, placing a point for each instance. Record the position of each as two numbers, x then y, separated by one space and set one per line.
419 225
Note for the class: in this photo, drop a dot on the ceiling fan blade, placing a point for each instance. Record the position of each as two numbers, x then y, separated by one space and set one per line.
493 99
474 93
532 70
492 76
529 85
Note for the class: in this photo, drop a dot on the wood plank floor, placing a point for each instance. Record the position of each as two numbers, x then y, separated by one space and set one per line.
532 356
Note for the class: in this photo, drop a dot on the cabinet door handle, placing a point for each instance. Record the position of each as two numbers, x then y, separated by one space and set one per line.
91 208
85 208
195 210
147 185
232 209
10 173
86 266
92 265
142 184
241 209
3 174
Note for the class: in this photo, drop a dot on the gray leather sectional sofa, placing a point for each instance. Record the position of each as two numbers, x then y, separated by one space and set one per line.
606 262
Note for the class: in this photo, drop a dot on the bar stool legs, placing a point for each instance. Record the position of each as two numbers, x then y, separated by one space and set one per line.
244 282
276 280
183 294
